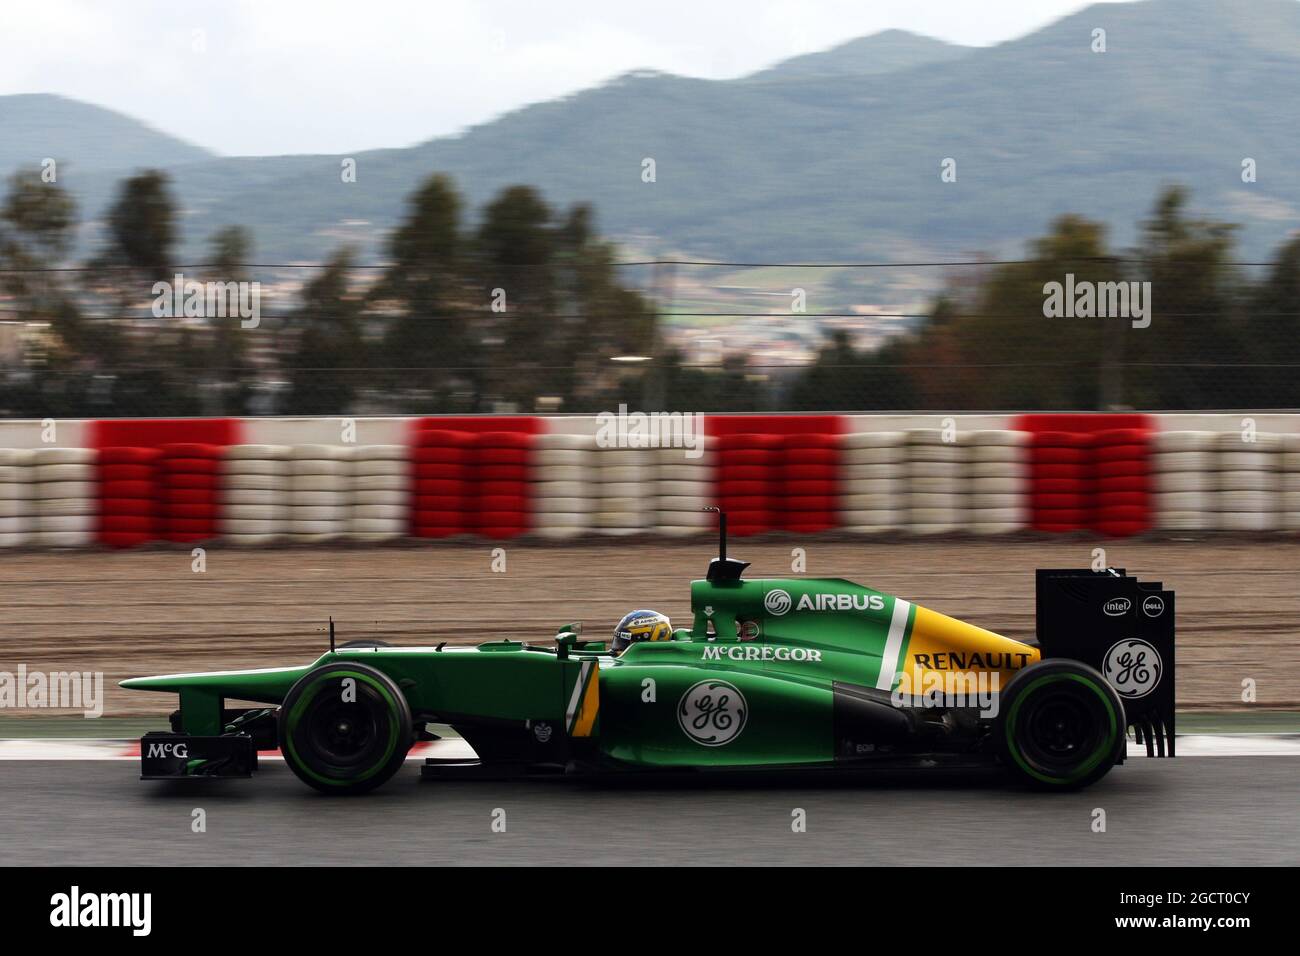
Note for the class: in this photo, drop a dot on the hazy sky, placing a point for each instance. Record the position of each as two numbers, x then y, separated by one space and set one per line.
293 76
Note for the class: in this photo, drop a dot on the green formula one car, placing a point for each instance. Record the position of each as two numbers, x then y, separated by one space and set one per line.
779 674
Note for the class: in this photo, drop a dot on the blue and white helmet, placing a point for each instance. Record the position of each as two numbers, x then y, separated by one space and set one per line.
641 626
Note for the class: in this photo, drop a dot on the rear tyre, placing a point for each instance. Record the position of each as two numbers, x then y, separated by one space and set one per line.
342 737
1061 725
364 643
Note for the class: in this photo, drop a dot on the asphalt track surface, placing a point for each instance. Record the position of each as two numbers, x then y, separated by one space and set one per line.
1197 811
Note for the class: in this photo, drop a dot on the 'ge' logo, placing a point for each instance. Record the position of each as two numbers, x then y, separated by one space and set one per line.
712 713
777 602
1133 668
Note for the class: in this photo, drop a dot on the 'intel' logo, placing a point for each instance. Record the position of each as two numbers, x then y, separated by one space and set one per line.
1117 607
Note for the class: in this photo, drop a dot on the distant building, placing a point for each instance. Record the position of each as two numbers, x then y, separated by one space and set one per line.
11 344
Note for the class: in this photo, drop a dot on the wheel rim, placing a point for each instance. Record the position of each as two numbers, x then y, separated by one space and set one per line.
342 733
1059 730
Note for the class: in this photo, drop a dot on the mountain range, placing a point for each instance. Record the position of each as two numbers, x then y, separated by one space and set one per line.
834 155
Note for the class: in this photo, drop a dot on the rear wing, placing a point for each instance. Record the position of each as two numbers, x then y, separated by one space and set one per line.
1123 627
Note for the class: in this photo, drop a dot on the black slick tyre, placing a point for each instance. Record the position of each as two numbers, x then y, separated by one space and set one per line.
345 728
1060 725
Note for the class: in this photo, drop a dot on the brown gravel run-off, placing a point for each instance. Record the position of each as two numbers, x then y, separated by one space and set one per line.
146 612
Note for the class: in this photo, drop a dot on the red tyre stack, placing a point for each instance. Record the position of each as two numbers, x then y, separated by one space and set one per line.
1061 486
1122 461
191 485
500 477
808 493
748 479
130 496
442 464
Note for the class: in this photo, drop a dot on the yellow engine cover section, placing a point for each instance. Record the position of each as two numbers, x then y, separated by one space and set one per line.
943 650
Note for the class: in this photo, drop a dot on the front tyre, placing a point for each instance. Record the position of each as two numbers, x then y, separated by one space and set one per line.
1061 726
345 728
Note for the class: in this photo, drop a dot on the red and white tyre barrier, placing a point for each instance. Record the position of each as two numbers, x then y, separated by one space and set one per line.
255 498
563 485
625 491
683 487
1122 502
1290 482
807 482
1248 481
496 478
501 469
318 493
997 473
130 496
441 463
191 488
1182 477
65 497
379 492
17 521
1061 482
747 481
936 499
873 482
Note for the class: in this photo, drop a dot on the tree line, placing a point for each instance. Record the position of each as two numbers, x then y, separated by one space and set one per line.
524 309
1220 334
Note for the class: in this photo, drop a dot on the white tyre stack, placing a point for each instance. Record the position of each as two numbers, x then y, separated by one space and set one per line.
1290 482
625 491
1183 476
873 490
65 497
380 478
319 498
17 524
564 483
997 481
683 488
1248 481
936 479
254 494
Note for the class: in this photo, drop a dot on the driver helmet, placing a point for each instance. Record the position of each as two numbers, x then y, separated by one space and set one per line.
641 626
